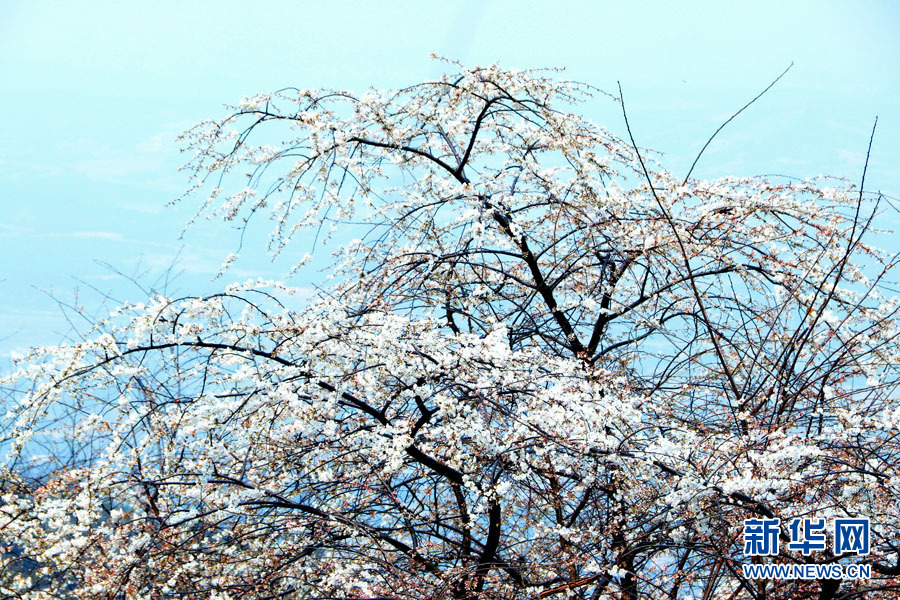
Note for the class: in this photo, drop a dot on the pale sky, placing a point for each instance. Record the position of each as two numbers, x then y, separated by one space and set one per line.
94 93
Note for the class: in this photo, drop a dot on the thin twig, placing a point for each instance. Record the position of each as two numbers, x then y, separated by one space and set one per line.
730 119
684 254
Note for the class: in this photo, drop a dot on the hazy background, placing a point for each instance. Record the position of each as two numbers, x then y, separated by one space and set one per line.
93 95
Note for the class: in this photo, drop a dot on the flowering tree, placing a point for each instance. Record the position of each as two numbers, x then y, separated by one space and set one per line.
547 368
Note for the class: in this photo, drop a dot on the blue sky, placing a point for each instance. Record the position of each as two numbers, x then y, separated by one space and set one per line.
94 93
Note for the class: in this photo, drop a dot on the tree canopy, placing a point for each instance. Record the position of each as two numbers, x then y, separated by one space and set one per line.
548 367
